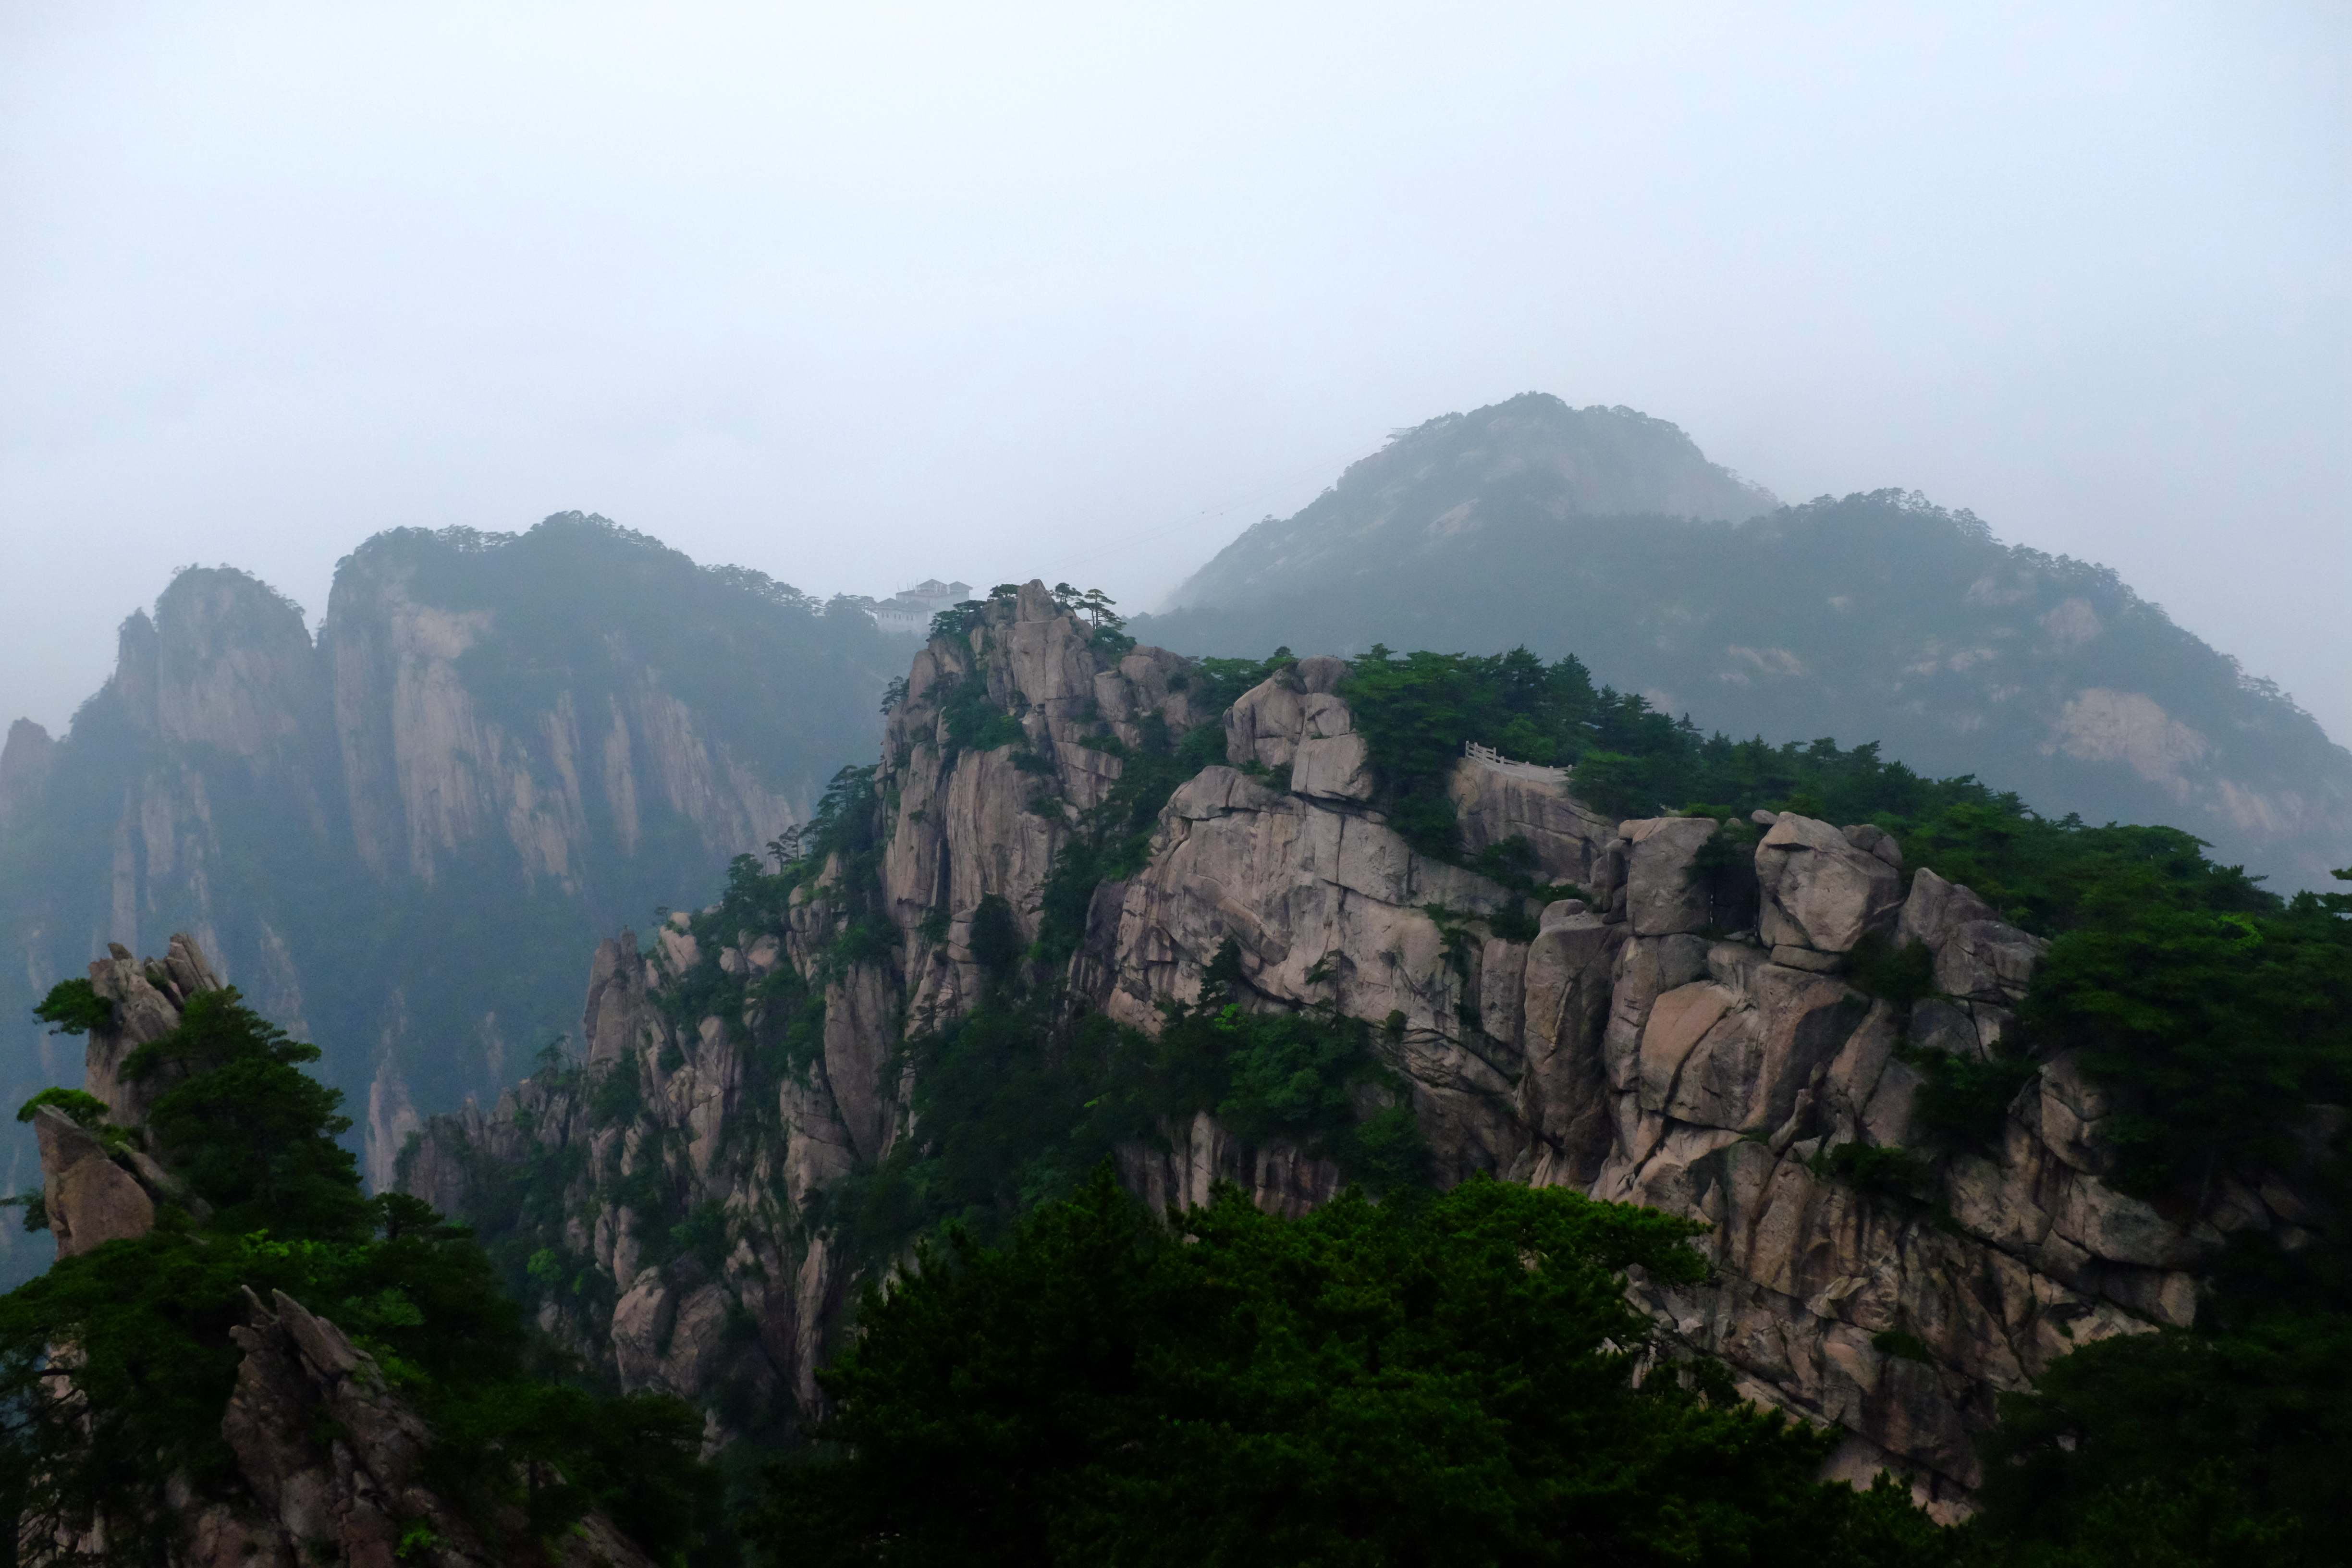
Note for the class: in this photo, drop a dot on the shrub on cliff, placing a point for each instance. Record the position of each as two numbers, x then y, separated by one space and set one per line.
138 1401
1442 1380
1415 710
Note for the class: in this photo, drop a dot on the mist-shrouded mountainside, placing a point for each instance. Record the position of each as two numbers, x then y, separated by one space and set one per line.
1606 534
398 839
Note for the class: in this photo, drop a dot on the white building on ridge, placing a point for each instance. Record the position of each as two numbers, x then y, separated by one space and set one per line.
910 609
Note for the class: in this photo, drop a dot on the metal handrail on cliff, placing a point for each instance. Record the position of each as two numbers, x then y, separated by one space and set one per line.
1488 757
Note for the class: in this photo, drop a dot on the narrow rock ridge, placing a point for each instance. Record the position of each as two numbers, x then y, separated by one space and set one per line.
1631 1050
328 1459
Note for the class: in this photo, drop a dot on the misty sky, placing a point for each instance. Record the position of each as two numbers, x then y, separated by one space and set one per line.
862 294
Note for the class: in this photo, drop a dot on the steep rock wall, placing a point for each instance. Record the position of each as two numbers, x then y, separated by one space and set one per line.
397 840
1633 1047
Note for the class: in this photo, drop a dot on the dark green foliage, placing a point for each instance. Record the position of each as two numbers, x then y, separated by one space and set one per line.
1963 1100
1512 922
2210 1011
1311 1079
1417 711
616 1096
85 1108
2179 1449
1902 1181
1287 1077
35 1202
245 1127
972 719
702 1235
2054 875
1725 865
1448 1380
1902 1344
2203 1001
1384 1152
150 1322
996 945
1877 1169
1898 975
1093 607
957 620
1010 1111
75 1007
1216 684
2214 1028
1015 1100
2226 1443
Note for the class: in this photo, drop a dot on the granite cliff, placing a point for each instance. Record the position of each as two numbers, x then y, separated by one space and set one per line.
396 837
680 1194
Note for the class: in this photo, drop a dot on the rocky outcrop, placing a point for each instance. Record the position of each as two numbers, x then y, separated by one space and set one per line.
332 1460
148 999
89 1199
1823 890
328 1458
1671 1036
100 1184
741 1319
1569 840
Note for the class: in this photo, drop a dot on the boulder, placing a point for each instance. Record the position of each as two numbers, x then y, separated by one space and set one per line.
641 1320
1992 961
1663 894
1977 954
1681 1018
1819 891
1934 909
90 1199
1271 720
1871 839
1335 767
1755 1065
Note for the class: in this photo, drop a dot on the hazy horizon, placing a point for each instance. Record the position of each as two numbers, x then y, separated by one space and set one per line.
860 300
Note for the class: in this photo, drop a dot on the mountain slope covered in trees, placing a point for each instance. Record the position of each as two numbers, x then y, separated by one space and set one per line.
1878 617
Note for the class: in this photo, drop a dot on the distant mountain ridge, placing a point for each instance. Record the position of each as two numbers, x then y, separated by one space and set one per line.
1877 616
398 839
1428 486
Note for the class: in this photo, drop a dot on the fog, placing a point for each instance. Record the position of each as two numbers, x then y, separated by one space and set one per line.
867 294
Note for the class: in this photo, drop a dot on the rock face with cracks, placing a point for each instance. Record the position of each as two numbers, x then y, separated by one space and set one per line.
1631 1050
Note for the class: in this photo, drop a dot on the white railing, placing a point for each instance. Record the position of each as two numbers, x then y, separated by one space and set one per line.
1501 763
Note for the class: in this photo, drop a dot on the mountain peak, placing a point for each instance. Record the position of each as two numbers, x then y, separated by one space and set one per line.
1429 482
